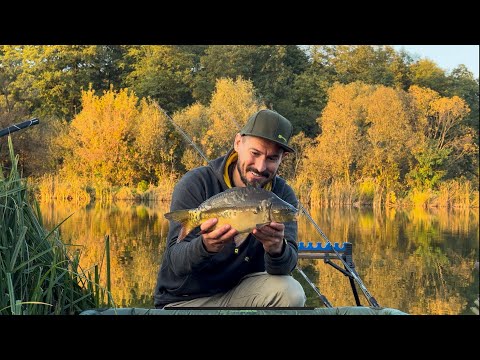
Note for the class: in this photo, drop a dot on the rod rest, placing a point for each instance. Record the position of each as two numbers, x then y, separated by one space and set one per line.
318 250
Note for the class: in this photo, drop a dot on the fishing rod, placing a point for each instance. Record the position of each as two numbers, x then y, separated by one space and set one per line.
18 126
321 296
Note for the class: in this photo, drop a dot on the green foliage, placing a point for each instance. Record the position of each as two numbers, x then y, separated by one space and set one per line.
142 186
271 68
428 171
48 78
463 84
369 64
426 73
163 73
367 190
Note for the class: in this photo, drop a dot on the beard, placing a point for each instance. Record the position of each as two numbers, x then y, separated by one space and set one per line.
257 182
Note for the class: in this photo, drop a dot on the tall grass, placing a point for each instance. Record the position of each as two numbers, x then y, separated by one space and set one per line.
37 275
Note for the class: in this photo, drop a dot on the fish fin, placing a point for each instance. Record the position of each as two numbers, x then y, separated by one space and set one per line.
258 226
184 231
180 216
240 238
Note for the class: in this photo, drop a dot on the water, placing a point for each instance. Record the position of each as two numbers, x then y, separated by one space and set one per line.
417 261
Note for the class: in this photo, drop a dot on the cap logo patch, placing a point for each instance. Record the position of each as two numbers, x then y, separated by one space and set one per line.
281 137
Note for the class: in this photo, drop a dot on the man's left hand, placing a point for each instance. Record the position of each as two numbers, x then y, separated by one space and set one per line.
271 236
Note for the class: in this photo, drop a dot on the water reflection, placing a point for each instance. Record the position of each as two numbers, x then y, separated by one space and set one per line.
137 239
418 261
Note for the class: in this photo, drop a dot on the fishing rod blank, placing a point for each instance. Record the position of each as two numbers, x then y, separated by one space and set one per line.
320 295
18 126
180 130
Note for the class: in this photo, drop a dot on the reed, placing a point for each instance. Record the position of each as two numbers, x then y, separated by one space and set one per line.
37 274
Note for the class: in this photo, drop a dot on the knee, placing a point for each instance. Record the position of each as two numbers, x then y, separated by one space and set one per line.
286 291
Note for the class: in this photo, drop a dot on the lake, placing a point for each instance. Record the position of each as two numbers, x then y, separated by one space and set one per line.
418 261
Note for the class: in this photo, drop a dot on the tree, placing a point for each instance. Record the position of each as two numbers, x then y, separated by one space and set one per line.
51 77
390 136
153 146
195 122
233 102
271 68
369 64
102 137
427 74
341 121
163 73
443 122
464 85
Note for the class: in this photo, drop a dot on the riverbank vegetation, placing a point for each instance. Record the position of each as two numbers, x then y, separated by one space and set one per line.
39 274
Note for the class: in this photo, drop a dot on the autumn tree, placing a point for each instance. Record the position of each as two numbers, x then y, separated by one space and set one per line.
233 102
340 144
154 147
101 139
390 136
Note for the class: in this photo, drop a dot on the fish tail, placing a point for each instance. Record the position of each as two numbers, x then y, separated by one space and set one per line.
183 217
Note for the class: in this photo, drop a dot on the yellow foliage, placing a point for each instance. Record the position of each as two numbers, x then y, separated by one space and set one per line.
391 199
233 101
101 134
191 159
340 142
125 193
151 134
366 189
421 198
422 100
194 120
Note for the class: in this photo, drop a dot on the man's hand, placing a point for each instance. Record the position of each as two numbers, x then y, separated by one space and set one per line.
271 236
215 240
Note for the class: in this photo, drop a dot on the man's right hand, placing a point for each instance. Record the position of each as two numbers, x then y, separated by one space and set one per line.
215 240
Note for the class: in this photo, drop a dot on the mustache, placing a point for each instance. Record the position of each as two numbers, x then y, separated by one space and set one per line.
263 173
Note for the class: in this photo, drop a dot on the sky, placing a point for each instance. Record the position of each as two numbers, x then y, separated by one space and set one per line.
447 57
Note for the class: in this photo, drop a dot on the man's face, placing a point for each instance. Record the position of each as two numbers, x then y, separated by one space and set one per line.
258 160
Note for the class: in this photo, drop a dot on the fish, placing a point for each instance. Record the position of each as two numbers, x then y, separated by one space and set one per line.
244 208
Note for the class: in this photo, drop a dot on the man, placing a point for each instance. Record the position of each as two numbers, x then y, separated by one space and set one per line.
206 269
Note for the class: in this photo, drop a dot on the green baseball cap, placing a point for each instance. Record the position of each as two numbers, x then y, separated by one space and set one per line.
270 125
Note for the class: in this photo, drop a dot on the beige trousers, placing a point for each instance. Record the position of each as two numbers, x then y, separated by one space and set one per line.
255 290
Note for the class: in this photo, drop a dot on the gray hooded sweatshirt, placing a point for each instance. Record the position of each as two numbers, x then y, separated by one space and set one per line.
189 271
